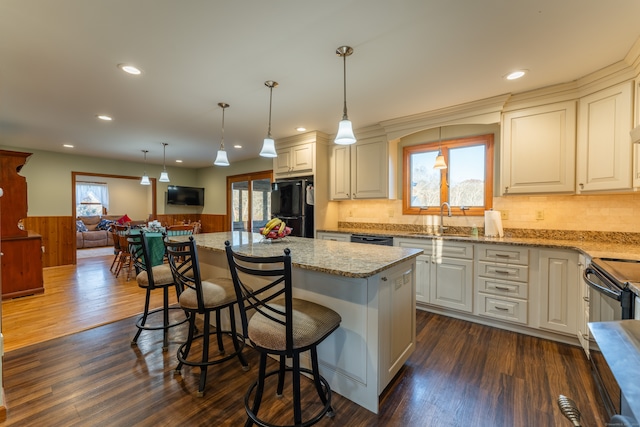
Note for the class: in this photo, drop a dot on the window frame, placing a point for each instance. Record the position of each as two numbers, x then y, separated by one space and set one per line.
487 140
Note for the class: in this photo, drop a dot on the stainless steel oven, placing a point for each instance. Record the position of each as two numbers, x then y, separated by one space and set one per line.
610 299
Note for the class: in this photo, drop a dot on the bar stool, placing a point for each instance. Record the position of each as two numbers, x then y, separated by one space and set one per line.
282 326
151 277
203 297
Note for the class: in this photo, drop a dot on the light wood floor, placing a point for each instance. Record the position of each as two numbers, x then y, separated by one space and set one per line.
462 374
76 298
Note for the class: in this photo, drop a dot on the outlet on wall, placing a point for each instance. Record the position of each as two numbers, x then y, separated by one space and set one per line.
504 214
539 215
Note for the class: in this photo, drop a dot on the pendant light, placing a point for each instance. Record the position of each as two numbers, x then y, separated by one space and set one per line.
345 134
221 158
145 177
164 176
269 146
440 163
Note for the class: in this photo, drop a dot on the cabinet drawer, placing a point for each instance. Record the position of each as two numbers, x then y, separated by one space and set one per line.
502 288
503 254
444 249
519 273
425 244
508 309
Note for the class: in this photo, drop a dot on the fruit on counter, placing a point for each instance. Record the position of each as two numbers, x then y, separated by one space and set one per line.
270 225
282 227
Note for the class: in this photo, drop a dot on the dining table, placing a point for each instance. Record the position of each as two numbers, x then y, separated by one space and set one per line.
155 244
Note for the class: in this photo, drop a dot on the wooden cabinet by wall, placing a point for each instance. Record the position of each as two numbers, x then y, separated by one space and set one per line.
21 250
604 145
21 266
538 149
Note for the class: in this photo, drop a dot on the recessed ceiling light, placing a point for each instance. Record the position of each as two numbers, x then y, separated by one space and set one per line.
178 161
301 129
67 145
104 117
515 75
130 69
237 146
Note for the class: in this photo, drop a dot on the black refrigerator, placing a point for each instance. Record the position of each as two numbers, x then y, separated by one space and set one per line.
292 201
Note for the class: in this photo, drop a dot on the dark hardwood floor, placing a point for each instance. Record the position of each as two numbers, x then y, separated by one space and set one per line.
462 374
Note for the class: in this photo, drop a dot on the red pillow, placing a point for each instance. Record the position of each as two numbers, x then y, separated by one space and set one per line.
125 219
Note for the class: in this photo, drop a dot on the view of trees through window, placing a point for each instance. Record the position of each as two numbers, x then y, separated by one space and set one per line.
250 201
91 198
466 184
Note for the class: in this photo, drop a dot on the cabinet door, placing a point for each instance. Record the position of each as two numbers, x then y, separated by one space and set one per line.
604 145
302 158
539 149
636 165
282 163
340 172
423 278
583 305
453 284
559 293
369 169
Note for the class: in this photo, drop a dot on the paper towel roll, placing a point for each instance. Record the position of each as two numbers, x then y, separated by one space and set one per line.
493 224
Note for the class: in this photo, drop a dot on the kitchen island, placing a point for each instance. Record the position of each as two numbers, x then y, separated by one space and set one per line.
371 287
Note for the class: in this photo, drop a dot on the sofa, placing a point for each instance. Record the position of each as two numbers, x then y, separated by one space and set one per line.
94 231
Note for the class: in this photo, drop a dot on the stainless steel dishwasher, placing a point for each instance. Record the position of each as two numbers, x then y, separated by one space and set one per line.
372 240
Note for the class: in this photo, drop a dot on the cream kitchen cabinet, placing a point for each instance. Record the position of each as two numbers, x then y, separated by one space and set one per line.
604 148
583 304
444 272
336 237
636 165
538 149
294 160
559 295
360 171
502 282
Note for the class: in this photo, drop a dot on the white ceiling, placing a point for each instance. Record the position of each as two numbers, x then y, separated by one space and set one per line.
58 65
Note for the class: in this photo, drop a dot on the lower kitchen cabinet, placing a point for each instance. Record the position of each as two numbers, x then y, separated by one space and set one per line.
558 293
444 273
337 237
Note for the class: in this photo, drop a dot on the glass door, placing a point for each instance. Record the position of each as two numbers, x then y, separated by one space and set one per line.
249 201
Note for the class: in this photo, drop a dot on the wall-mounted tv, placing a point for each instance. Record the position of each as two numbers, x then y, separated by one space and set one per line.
188 196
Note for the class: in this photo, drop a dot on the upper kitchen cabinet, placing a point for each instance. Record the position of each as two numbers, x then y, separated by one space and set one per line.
360 171
294 160
604 148
538 149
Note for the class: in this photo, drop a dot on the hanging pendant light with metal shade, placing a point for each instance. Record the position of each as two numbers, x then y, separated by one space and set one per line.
269 145
145 177
164 176
221 158
345 134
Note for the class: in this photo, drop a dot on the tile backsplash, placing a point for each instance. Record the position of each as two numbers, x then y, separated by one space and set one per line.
596 213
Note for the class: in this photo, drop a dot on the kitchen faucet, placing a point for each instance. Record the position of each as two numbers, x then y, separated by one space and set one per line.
441 227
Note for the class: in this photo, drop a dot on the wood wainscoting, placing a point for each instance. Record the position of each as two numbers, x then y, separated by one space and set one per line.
59 233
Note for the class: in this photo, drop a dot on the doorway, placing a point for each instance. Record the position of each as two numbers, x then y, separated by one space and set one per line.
249 200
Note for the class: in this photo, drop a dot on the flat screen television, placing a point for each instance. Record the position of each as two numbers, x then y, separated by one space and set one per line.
187 196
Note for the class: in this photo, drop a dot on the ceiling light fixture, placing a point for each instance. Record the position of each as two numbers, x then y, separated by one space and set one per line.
145 177
301 129
345 134
515 75
130 69
104 117
67 145
440 163
164 176
221 158
269 145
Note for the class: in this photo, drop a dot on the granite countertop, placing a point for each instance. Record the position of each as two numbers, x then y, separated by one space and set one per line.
619 343
591 248
339 258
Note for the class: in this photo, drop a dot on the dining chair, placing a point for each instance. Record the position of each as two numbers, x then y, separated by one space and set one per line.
117 251
124 260
151 277
203 297
179 230
280 325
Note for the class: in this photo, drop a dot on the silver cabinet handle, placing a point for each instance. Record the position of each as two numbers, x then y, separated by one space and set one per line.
502 288
384 279
501 308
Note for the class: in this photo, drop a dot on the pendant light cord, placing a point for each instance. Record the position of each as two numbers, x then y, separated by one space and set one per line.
344 79
270 103
222 140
